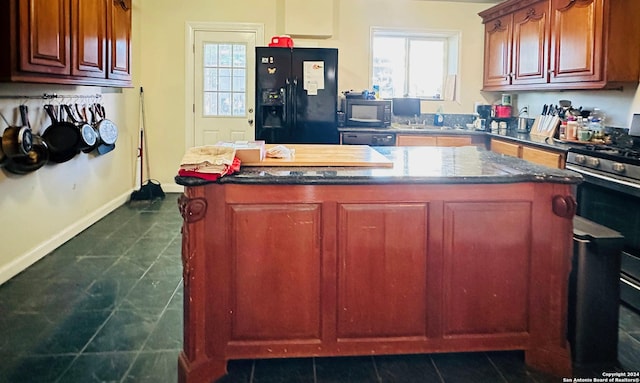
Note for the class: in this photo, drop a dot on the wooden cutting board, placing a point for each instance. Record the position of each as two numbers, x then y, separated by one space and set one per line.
327 155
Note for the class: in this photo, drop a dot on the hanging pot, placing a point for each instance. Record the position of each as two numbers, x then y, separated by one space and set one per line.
35 158
107 130
61 137
92 123
88 135
17 140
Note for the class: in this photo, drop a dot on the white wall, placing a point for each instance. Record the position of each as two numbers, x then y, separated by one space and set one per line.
618 105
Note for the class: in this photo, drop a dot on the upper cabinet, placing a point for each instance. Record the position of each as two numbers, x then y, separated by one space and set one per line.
561 44
80 42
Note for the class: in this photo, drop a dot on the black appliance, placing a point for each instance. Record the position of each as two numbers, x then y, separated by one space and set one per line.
296 95
368 138
610 196
406 107
365 113
594 293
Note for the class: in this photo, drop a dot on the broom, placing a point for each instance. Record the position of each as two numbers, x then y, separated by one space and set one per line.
149 189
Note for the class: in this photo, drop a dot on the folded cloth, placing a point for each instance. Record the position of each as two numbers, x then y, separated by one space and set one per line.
228 169
208 159
280 151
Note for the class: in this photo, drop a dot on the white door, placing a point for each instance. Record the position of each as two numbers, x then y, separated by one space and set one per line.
224 86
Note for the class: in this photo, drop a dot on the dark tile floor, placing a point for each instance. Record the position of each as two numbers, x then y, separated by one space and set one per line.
107 307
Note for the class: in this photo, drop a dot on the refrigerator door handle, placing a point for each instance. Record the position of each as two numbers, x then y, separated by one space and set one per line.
294 102
287 102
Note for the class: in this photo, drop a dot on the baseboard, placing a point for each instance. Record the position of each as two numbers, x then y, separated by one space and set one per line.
25 260
172 188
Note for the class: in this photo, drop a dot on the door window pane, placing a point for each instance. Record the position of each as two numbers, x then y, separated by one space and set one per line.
224 80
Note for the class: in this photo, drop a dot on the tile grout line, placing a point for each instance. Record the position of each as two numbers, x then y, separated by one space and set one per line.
496 367
433 363
115 308
164 310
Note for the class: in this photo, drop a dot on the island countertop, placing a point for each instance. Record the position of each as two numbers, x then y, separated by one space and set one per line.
411 165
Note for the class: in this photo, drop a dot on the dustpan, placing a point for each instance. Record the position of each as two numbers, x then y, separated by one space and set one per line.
149 189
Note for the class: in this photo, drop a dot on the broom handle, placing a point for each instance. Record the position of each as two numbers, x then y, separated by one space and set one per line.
144 138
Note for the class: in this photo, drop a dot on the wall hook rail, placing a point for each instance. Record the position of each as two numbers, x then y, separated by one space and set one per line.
51 96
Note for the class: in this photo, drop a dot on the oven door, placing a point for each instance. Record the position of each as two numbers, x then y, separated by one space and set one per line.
615 203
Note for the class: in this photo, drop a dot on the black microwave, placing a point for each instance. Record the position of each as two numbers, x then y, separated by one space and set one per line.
363 113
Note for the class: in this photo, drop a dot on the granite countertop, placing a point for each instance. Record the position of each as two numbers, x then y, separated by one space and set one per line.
526 138
414 129
510 135
411 165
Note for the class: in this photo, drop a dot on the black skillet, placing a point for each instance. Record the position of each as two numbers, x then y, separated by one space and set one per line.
62 137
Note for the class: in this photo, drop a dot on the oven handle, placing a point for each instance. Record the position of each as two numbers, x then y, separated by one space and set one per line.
603 177
628 282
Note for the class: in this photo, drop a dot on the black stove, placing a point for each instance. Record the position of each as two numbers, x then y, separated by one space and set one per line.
610 196
620 159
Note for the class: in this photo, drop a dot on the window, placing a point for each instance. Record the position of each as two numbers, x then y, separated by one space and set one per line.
225 79
415 64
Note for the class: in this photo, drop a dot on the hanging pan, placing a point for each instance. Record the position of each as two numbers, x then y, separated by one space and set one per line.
107 130
88 136
35 158
61 137
91 122
17 140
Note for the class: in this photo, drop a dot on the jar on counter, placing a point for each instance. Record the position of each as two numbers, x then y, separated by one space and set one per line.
572 130
563 130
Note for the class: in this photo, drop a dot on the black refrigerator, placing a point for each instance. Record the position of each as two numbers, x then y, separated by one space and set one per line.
296 95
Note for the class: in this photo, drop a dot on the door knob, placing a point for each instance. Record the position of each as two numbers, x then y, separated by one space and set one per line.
250 122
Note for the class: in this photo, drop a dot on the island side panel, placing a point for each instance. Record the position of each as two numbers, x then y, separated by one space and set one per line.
552 251
196 363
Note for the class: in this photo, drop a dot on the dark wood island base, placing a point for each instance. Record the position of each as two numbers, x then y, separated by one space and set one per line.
302 270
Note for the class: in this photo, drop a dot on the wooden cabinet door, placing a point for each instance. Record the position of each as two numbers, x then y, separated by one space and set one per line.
497 51
119 39
44 37
486 282
89 24
508 148
530 42
454 141
416 140
577 40
543 157
274 290
382 270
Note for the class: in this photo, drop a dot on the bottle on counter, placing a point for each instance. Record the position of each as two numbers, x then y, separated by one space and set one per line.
438 119
376 92
572 130
562 134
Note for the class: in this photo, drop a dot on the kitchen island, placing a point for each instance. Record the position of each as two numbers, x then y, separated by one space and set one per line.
453 249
